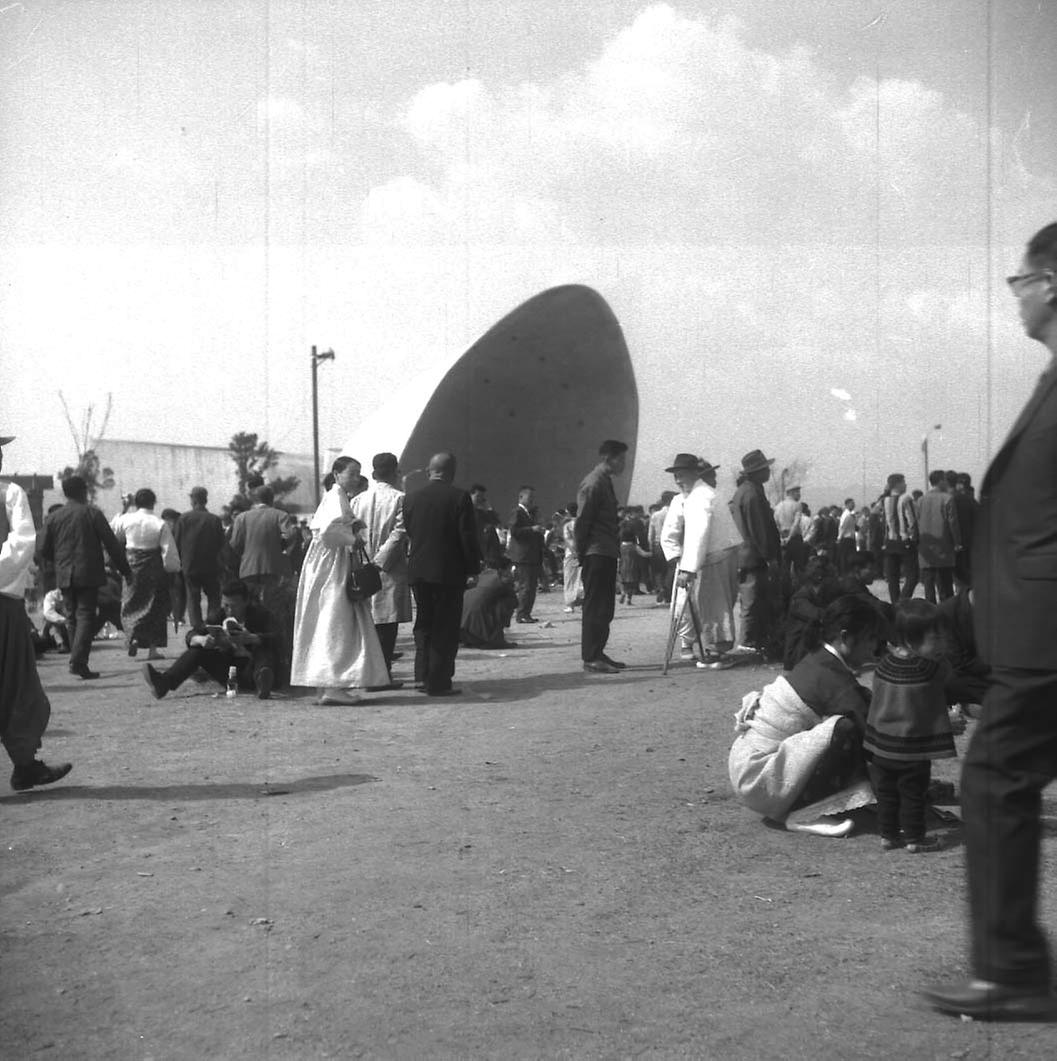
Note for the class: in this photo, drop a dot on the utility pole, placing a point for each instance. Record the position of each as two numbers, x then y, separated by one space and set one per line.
326 355
925 449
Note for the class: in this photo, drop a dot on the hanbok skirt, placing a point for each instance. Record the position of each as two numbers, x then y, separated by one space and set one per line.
145 600
335 643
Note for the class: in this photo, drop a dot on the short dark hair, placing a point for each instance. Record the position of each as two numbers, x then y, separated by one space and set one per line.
1042 247
145 498
522 489
254 481
912 620
342 463
169 513
199 494
478 488
937 477
612 448
894 480
965 479
264 494
75 488
850 614
236 588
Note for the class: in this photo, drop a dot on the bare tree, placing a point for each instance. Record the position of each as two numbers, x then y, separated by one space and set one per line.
88 467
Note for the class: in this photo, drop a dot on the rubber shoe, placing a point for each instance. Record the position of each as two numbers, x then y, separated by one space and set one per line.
923 846
37 773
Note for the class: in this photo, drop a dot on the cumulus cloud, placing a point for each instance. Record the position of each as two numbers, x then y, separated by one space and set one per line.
680 131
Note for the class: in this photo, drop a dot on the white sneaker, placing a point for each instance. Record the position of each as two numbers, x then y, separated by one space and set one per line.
822 827
686 654
715 664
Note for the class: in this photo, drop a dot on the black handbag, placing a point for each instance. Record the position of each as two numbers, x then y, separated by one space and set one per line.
364 581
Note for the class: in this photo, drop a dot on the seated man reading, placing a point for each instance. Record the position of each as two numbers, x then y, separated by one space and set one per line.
240 635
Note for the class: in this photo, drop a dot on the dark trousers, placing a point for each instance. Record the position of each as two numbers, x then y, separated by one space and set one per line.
24 707
600 599
1011 758
216 663
387 639
81 603
526 583
845 554
905 565
438 616
196 585
939 579
900 789
757 606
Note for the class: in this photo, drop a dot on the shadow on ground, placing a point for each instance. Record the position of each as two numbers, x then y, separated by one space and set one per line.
176 793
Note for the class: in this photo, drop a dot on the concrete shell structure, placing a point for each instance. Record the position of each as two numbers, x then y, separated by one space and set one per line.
529 402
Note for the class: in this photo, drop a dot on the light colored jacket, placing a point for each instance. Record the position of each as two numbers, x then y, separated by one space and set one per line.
382 510
16 549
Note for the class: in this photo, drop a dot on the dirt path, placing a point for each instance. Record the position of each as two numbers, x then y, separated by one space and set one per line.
551 866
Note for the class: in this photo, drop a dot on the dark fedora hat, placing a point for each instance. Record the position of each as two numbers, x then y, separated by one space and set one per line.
755 461
5 439
705 466
684 462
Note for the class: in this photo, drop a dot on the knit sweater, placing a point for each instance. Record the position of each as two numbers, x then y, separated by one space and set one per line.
907 721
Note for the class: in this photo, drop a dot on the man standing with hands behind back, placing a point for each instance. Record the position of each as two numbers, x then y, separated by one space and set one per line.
1013 752
444 558
597 537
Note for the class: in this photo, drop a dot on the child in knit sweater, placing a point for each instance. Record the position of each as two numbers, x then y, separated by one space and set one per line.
908 725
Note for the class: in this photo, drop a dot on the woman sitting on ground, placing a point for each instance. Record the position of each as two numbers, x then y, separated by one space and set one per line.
797 756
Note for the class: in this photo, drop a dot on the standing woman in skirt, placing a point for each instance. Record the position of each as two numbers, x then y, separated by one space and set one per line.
336 648
152 556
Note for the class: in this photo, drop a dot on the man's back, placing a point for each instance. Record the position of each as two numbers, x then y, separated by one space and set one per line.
199 538
442 532
755 523
257 537
74 538
937 529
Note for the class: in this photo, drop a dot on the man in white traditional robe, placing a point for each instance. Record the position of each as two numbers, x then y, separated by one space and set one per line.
700 531
381 508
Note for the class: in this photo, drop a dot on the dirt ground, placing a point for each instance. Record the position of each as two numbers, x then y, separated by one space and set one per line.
551 866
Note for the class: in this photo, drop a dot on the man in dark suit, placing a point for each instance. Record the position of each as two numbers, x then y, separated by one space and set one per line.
74 539
1013 753
525 549
444 558
261 539
200 540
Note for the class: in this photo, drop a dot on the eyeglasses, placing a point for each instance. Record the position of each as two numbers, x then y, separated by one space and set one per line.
1017 283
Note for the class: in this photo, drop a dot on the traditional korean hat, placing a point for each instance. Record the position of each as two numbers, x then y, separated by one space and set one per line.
704 466
4 439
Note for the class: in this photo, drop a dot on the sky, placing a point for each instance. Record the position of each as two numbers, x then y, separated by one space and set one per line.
801 214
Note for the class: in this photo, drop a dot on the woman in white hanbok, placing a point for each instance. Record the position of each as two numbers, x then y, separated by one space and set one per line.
336 648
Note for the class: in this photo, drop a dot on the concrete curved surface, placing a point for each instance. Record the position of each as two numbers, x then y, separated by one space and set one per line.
529 402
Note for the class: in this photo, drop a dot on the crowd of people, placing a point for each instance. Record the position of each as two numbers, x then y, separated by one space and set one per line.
744 580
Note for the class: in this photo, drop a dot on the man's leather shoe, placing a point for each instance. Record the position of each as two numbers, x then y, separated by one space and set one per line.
614 662
264 681
994 1001
37 773
600 666
84 673
155 681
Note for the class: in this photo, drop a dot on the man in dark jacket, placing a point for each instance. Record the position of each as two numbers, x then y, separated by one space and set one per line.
758 566
1013 752
525 549
74 539
200 540
596 534
242 637
443 559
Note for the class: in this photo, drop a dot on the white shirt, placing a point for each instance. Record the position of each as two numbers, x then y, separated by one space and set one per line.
144 530
16 552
